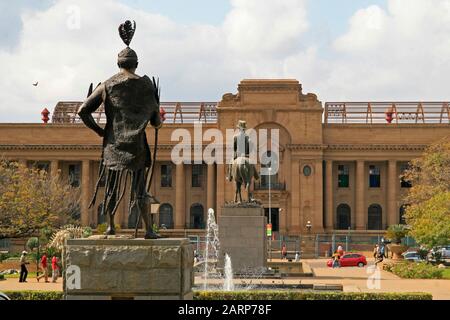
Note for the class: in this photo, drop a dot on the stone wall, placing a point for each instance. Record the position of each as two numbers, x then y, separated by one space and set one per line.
128 269
242 237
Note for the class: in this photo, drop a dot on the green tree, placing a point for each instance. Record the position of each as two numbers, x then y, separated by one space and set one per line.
428 213
32 200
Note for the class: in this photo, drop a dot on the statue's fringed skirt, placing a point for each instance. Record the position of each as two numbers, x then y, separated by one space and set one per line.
115 182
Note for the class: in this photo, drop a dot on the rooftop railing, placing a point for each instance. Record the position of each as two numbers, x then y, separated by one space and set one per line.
387 112
174 112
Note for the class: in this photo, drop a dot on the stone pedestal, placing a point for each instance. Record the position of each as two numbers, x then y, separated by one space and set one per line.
242 235
104 269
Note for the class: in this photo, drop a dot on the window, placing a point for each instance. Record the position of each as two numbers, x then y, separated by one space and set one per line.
374 221
343 176
307 171
197 175
405 183
269 161
343 217
166 216
42 166
374 177
197 219
166 176
74 175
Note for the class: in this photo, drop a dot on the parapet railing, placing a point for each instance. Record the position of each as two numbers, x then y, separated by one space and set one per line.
173 112
387 112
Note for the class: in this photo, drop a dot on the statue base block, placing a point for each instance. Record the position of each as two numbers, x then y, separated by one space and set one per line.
243 237
136 269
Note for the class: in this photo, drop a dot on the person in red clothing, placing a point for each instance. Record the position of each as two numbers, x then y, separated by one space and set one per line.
44 268
283 251
55 269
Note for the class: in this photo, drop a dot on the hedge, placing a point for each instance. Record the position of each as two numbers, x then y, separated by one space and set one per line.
252 295
413 270
34 295
302 295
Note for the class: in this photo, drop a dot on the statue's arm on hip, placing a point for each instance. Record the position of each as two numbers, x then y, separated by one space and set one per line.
92 103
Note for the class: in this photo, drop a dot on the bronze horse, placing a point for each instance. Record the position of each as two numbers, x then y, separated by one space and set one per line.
242 172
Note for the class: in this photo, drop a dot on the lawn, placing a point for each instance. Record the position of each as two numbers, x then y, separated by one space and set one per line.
446 274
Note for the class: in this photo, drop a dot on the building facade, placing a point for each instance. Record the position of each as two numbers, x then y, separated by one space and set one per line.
339 163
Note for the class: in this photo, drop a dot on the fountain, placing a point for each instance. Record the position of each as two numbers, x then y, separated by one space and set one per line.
228 284
212 247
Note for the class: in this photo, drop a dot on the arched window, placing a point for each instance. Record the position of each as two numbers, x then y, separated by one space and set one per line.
197 218
269 161
402 212
375 217
343 217
166 216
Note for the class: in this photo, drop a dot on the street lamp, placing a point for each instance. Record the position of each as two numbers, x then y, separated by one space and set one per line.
270 214
309 226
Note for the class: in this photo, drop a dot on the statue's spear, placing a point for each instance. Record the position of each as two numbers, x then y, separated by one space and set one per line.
155 148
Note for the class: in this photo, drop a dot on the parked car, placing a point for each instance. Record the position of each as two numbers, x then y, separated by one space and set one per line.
4 296
413 256
442 252
350 260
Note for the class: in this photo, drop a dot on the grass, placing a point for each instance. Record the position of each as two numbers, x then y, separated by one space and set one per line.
446 274
16 275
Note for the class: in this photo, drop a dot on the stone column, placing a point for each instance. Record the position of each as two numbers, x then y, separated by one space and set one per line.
180 197
295 197
329 206
85 192
211 188
392 186
220 187
360 195
54 167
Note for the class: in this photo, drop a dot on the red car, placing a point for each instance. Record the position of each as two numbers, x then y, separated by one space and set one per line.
350 260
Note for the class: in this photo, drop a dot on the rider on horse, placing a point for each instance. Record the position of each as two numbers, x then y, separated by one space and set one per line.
241 170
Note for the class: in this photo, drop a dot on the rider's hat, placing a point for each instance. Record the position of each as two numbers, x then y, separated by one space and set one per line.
242 124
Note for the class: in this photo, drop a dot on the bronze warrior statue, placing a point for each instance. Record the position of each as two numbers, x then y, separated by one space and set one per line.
130 103
241 170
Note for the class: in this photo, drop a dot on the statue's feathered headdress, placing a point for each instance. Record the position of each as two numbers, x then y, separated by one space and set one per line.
126 31
127 57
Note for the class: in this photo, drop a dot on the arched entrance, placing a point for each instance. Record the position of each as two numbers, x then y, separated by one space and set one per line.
375 217
197 217
166 216
343 217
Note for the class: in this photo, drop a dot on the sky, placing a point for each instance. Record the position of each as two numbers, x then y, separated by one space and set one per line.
344 50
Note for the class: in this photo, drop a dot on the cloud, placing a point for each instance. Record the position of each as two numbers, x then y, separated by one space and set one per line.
398 53
402 53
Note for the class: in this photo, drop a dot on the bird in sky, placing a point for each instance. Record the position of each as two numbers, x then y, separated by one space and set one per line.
35 84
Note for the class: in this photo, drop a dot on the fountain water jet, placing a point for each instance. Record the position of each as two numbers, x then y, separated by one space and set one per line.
228 284
212 246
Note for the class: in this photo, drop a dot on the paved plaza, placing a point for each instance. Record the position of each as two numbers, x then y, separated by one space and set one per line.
353 279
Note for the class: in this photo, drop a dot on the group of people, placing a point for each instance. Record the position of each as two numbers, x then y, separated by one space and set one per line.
379 253
43 267
284 253
337 256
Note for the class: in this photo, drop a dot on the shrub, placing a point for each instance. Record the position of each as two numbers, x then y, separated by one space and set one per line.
397 232
32 243
2 277
302 295
34 295
251 295
412 270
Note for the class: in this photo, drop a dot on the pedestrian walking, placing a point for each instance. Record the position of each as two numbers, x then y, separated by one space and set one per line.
23 267
283 251
340 251
44 268
336 258
55 269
